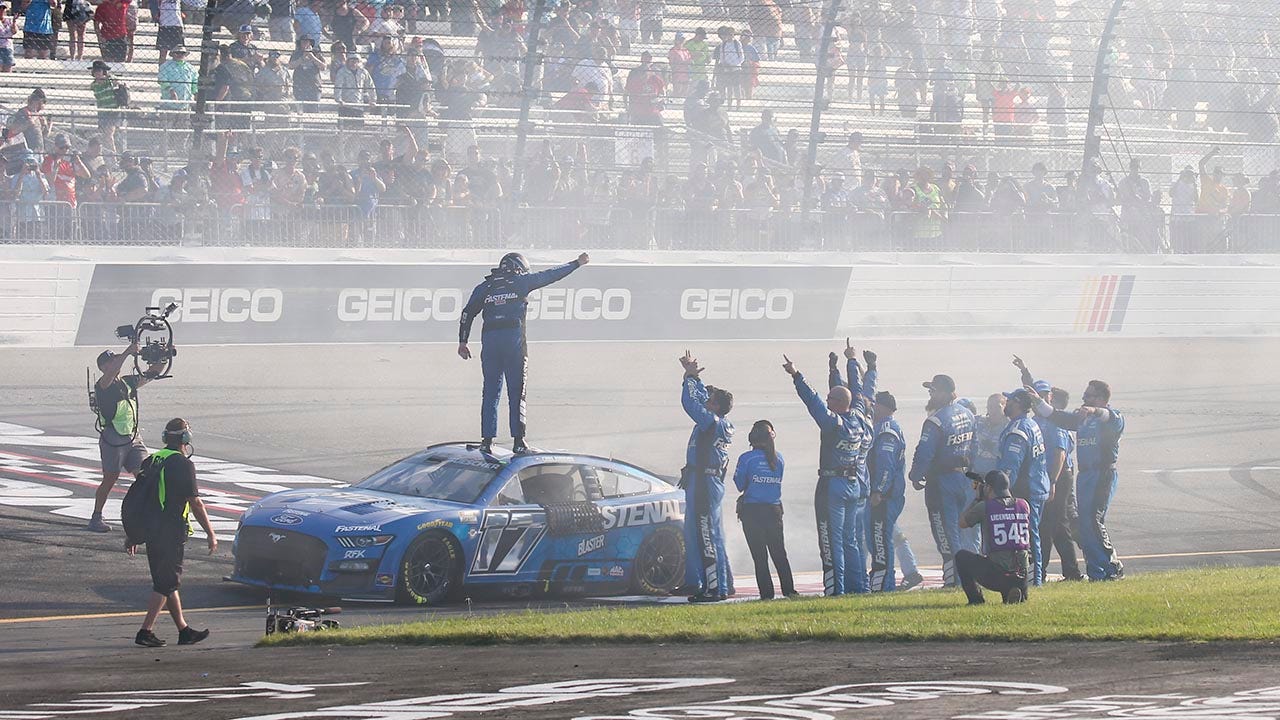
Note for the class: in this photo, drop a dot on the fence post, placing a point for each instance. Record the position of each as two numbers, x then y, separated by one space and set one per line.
532 59
819 94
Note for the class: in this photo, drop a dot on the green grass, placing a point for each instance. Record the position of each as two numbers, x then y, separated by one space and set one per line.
1188 605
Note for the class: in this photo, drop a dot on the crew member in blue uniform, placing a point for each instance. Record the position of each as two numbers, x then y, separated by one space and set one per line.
986 435
887 464
1099 427
938 466
1022 459
841 493
759 479
503 300
706 462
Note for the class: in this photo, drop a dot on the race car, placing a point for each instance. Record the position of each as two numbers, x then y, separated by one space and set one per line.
451 520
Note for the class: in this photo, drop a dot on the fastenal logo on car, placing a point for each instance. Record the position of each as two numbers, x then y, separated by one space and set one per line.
228 305
736 304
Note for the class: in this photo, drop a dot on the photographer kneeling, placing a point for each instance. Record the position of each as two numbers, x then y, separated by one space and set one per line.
118 443
1006 538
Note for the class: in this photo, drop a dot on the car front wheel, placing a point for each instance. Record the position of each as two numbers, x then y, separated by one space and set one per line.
431 570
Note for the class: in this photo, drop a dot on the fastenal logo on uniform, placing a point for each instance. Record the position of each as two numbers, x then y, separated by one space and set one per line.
227 305
737 304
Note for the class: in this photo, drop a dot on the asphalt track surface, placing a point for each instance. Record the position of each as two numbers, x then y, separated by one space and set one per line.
1200 484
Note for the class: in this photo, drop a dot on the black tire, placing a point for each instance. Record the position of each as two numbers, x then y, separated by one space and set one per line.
659 563
430 571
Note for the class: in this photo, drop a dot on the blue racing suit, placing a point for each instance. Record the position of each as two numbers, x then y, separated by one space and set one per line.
706 462
888 461
940 461
986 443
503 300
1022 458
1097 450
841 494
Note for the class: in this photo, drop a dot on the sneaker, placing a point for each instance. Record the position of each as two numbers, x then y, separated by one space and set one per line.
978 601
701 598
518 446
1013 596
1075 577
96 524
187 636
146 638
911 581
486 446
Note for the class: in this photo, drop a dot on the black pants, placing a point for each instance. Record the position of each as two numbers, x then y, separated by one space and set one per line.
1057 528
762 524
975 570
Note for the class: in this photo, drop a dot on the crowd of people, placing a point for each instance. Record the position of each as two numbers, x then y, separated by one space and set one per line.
1002 490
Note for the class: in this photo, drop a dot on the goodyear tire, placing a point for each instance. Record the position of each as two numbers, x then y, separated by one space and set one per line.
431 570
659 564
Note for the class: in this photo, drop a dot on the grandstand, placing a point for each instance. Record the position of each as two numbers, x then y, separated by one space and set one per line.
991 88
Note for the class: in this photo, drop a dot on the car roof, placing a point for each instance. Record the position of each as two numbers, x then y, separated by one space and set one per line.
464 450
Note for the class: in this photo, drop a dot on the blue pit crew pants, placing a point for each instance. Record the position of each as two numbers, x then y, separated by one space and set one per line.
503 355
1094 490
839 505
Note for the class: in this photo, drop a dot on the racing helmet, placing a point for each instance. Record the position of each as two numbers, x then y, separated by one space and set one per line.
513 264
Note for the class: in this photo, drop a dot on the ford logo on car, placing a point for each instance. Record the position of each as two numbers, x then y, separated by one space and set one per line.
286 519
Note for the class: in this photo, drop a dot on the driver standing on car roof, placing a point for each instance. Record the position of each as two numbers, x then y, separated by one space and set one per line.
503 300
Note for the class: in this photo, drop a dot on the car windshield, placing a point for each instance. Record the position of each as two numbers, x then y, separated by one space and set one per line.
439 477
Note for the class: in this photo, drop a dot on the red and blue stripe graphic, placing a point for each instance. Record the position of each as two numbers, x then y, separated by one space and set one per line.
1103 303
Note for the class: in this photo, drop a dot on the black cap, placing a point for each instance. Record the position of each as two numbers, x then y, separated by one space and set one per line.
1022 396
998 482
104 356
942 382
885 398
99 65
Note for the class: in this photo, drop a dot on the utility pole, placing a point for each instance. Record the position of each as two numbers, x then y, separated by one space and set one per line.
532 58
819 94
208 54
1092 143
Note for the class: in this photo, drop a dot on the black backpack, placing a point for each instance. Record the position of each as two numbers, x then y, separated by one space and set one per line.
122 95
140 511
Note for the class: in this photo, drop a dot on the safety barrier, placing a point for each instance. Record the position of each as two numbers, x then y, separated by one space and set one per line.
647 296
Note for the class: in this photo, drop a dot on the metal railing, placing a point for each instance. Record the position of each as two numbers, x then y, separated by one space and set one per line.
638 228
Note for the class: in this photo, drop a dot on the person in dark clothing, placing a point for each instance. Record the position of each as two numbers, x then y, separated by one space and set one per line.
759 479
1006 538
118 443
503 300
179 498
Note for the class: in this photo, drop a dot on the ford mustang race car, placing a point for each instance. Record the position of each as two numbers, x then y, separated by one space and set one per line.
451 519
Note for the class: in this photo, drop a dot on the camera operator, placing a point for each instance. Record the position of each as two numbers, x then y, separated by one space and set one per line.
118 443
1006 538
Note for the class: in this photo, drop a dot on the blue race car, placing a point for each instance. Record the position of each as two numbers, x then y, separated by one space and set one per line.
450 518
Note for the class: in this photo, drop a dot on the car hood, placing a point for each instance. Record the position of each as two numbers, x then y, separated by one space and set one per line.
344 507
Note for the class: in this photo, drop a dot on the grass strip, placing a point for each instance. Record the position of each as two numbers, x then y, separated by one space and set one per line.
1185 605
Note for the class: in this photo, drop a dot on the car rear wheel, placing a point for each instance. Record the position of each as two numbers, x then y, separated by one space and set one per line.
431 571
659 565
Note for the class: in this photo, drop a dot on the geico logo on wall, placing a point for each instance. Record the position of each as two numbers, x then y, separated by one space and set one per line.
239 303
221 304
736 304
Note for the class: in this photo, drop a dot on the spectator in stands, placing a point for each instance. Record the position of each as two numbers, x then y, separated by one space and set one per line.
836 197
130 27
1241 198
29 188
1056 111
347 25
985 71
177 79
1214 195
877 79
63 167
1003 100
595 71
969 198
651 15
1008 199
337 60
389 23
308 67
699 57
280 20
868 197
110 24
386 66
750 65
645 91
31 122
245 50
729 58
766 140
106 95
764 18
307 24
679 60
169 33
232 90
37 30
271 84
1133 192
258 185
137 183
76 17
8 28
1266 201
1041 196
411 90
353 88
